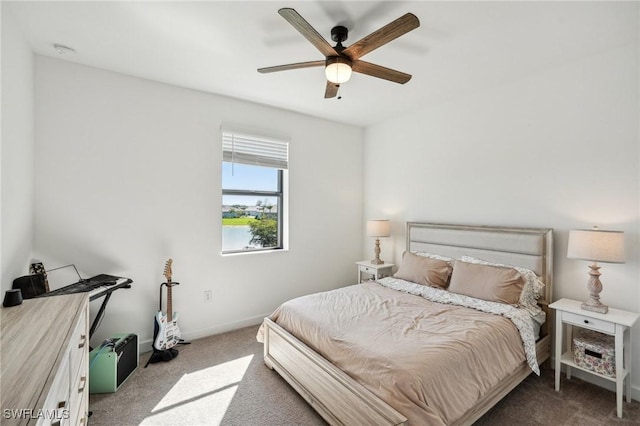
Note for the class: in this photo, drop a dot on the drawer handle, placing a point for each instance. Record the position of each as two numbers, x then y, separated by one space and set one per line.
586 321
61 406
83 381
83 341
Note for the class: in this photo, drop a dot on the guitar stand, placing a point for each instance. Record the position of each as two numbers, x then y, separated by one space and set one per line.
162 356
167 354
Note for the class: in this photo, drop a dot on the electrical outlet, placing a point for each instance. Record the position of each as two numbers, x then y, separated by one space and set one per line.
208 297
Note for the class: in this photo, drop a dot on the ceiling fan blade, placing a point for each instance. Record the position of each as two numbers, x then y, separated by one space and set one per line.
307 31
384 35
380 72
295 66
331 91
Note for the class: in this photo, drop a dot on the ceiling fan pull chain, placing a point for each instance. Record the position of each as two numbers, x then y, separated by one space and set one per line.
339 95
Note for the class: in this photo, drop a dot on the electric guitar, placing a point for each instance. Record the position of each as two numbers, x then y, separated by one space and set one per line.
166 331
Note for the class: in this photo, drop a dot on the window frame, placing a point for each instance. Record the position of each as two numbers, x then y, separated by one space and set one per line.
256 148
279 195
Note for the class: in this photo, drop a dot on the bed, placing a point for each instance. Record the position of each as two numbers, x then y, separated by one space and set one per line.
354 371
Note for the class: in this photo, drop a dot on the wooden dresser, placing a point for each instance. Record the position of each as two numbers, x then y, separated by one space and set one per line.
44 354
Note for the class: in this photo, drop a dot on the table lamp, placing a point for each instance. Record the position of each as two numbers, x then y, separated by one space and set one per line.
378 228
597 246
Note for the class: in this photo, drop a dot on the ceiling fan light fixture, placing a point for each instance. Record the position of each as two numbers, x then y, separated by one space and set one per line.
338 70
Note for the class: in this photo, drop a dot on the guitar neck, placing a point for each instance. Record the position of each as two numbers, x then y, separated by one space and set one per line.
169 307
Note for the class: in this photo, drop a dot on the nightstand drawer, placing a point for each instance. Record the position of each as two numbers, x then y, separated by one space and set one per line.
591 323
368 269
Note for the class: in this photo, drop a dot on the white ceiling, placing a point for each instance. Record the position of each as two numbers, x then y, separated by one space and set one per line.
216 47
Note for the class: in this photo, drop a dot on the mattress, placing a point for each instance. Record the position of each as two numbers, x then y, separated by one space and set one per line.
431 361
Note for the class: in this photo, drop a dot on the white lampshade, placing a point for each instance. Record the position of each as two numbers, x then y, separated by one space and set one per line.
596 245
378 228
338 70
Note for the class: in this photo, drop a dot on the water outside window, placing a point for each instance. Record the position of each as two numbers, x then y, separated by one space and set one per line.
249 219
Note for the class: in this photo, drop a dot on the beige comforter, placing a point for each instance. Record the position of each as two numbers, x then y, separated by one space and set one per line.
429 361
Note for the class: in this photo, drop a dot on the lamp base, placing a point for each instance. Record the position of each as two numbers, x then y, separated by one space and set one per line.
376 250
595 287
587 306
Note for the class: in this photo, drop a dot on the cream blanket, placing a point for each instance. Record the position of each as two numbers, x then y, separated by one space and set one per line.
429 361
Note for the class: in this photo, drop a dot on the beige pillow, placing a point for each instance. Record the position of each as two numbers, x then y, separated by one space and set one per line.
533 286
486 282
424 270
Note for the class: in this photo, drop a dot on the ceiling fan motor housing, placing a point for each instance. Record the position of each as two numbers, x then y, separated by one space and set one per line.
339 34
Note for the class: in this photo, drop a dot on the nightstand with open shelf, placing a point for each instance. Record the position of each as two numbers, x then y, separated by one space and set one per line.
615 323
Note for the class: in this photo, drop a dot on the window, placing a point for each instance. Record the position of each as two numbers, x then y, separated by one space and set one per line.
254 181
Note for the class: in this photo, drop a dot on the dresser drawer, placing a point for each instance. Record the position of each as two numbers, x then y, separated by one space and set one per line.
591 323
78 393
79 345
56 408
83 410
79 369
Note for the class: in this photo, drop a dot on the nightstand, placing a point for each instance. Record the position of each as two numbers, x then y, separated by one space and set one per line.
616 323
376 271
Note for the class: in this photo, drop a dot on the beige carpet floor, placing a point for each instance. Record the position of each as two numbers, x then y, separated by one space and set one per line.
223 380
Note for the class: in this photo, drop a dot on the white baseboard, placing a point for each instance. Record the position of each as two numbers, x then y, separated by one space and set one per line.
146 345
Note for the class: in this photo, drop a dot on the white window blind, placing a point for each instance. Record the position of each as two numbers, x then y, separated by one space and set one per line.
255 150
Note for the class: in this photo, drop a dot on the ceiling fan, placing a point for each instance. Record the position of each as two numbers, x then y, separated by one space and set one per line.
340 61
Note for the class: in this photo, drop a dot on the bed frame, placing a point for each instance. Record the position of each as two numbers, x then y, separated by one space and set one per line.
340 400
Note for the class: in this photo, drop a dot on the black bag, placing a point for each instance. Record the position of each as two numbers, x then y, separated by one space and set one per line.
30 285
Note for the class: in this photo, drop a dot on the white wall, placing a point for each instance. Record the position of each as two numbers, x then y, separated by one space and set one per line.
558 149
128 175
16 177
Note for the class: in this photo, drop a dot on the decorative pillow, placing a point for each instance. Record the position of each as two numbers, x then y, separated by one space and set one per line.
532 286
486 282
434 256
424 270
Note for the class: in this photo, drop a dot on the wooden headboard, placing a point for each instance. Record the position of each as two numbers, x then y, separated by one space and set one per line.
530 248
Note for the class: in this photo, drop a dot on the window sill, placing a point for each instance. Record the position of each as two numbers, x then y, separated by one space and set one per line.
250 252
